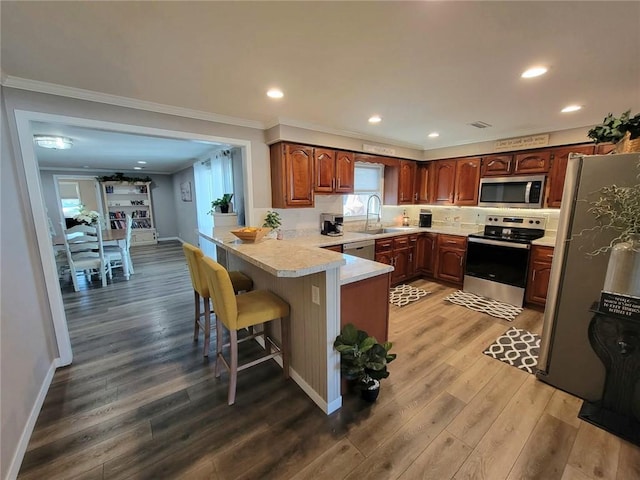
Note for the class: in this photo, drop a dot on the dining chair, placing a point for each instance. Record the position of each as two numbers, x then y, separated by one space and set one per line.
236 312
239 280
85 254
114 254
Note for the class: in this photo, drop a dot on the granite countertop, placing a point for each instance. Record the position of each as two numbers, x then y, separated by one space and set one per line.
546 241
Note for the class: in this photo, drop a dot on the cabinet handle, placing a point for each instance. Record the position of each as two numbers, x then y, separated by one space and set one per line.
460 261
533 279
509 165
549 255
410 257
491 163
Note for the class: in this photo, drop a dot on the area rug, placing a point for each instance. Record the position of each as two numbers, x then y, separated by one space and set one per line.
484 305
405 294
519 348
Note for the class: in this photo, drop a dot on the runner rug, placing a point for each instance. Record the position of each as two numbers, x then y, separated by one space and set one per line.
484 305
405 294
519 348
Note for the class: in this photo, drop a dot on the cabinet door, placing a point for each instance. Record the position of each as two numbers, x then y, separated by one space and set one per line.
450 264
496 165
425 253
299 176
538 282
604 148
407 181
559 170
385 257
345 171
324 167
467 180
444 181
400 265
537 162
424 182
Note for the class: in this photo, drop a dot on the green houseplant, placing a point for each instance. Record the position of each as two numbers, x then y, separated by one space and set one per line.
272 220
613 129
222 203
363 359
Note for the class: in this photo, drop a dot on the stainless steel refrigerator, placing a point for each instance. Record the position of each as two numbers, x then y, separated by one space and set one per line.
567 360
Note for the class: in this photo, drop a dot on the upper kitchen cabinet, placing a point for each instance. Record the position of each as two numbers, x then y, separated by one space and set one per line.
456 181
291 175
604 148
532 162
560 158
399 183
497 165
334 171
424 182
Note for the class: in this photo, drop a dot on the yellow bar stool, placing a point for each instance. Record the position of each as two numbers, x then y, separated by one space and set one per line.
243 311
201 289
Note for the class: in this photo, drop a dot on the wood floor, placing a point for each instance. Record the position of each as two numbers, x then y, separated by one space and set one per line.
140 401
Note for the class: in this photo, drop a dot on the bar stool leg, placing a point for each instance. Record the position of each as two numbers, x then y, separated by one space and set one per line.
285 345
233 367
207 326
219 334
196 327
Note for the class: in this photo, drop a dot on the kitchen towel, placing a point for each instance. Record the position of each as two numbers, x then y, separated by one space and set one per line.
405 294
484 305
517 347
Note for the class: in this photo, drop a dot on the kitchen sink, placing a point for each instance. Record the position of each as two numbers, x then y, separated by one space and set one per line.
385 230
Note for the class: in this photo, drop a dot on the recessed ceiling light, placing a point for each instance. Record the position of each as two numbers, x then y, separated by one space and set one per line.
57 143
375 119
275 93
434 135
534 72
571 108
137 168
142 162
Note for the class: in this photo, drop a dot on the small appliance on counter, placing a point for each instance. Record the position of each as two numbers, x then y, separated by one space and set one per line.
405 218
425 218
331 224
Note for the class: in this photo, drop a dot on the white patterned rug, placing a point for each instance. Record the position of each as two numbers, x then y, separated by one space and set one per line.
405 294
516 347
484 305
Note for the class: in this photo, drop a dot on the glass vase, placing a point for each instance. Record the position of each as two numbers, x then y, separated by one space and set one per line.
623 269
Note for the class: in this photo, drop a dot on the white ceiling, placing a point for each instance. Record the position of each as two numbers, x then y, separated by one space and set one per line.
423 66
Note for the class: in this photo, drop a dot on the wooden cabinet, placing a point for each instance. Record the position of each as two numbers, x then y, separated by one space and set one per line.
424 182
400 253
444 178
334 171
450 258
604 148
497 165
291 175
532 162
334 248
371 315
407 182
559 160
467 180
133 199
538 276
426 253
456 181
399 182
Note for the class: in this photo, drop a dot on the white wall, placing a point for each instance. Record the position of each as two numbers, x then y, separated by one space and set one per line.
185 212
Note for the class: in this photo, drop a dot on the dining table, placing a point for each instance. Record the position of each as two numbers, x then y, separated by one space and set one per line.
109 237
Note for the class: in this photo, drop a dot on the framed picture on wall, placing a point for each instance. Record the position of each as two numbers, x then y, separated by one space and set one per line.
185 191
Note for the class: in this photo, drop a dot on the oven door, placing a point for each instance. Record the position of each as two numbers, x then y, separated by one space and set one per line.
498 261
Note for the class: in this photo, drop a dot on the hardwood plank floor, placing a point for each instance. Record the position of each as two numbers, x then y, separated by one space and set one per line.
140 401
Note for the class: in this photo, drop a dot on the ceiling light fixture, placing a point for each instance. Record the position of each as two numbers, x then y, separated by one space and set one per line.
137 168
142 162
534 72
571 108
57 143
375 119
275 93
434 135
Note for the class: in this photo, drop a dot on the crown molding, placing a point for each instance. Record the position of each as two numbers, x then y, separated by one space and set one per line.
106 98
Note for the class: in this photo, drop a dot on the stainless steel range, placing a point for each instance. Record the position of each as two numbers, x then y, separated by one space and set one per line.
497 260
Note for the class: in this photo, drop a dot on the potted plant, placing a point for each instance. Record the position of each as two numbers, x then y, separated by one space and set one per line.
363 359
273 221
221 203
618 129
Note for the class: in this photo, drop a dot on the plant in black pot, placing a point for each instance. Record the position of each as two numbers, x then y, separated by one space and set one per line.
221 203
363 359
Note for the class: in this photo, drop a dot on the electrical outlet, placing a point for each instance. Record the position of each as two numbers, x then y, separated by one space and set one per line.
315 294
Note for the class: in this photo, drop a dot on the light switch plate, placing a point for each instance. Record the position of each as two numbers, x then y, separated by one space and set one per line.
315 294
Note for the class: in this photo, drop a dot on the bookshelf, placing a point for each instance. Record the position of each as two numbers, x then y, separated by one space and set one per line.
122 198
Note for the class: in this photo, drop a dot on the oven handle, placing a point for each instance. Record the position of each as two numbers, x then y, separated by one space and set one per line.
524 246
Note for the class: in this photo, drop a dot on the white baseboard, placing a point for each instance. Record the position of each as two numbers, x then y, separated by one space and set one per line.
166 239
21 448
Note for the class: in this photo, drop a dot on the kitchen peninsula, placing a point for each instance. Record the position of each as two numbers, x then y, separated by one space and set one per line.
309 279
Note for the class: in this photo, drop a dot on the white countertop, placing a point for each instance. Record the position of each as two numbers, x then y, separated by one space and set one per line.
546 241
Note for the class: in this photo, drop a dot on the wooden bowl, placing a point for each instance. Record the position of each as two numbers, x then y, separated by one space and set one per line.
253 235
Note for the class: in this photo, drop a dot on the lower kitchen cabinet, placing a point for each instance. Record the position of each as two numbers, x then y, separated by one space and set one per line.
334 248
371 315
426 254
400 253
538 276
450 263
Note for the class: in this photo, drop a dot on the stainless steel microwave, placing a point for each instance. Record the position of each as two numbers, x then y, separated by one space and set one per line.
525 191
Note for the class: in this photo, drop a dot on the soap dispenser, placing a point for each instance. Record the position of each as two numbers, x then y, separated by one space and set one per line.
405 218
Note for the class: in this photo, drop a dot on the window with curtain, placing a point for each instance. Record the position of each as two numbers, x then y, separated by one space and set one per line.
213 178
367 181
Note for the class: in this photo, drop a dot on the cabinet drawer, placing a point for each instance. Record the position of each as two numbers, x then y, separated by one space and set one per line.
384 245
541 254
452 241
401 242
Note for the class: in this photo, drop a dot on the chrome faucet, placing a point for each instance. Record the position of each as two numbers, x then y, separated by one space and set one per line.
366 222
